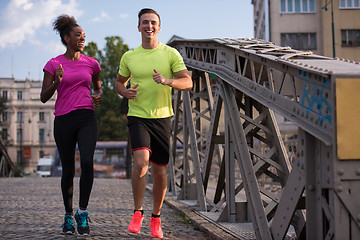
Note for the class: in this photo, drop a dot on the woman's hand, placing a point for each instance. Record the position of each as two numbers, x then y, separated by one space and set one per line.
97 97
59 73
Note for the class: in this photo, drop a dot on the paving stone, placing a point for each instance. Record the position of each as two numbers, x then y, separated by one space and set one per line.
32 208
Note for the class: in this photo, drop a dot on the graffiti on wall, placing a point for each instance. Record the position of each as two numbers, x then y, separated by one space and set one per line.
313 97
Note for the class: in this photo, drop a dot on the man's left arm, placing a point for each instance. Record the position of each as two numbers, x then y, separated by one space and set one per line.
182 80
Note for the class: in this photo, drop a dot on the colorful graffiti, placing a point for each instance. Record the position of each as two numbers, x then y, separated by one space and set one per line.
313 97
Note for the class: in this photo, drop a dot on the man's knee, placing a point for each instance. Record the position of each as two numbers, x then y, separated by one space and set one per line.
141 167
141 161
159 172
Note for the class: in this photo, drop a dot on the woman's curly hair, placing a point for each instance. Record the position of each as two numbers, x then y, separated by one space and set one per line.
64 25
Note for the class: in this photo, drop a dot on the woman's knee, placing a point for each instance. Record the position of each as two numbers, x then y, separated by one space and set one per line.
68 172
86 165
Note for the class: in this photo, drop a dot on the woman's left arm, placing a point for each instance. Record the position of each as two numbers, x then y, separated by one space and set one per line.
97 97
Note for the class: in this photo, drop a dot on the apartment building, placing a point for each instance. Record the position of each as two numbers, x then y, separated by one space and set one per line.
326 27
27 123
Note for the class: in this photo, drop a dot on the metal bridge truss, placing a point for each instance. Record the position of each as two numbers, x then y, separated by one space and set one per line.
232 145
6 165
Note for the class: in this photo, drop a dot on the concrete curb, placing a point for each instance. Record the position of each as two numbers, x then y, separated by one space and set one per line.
212 230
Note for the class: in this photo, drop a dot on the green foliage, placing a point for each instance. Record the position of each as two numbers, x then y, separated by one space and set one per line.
113 52
91 50
112 127
17 170
182 218
109 58
111 124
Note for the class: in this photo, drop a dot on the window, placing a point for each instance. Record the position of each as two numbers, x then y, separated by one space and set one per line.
19 95
298 6
349 4
4 134
41 134
5 94
350 38
300 41
19 116
41 117
19 134
4 116
41 154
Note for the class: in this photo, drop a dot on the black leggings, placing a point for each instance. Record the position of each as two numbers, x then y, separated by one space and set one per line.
80 127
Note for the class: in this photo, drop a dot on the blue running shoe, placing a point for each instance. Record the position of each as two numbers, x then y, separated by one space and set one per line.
82 223
69 224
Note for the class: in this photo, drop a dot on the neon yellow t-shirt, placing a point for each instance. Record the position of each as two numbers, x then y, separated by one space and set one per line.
152 100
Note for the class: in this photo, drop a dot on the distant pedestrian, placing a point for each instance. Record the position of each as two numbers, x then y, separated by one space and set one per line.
154 69
71 75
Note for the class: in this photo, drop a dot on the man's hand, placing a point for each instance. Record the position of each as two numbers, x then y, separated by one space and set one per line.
159 78
131 92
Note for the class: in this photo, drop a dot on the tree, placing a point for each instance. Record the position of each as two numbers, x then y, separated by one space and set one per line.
112 126
114 49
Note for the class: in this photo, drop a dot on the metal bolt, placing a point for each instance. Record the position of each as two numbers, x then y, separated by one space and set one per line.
340 172
339 188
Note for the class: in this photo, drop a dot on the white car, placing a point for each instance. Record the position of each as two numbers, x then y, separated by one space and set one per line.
44 166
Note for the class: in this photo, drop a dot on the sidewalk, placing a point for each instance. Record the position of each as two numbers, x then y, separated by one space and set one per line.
32 208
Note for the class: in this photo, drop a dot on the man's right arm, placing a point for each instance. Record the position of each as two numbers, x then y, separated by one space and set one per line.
120 86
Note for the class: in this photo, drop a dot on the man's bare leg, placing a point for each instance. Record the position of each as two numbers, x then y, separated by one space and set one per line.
159 187
138 177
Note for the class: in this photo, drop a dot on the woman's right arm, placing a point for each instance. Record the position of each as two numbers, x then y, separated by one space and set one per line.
49 87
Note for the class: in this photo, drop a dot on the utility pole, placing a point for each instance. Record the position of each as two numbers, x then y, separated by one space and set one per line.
21 143
332 24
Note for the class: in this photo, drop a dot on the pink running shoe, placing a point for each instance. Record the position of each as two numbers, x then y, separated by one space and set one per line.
136 222
155 227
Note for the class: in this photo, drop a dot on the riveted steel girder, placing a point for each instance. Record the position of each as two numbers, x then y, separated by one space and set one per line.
232 148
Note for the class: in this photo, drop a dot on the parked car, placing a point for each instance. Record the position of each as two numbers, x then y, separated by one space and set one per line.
44 166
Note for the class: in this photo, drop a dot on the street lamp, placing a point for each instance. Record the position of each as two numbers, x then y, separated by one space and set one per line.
332 23
21 145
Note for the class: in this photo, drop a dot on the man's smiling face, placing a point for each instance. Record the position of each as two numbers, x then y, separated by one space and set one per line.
149 26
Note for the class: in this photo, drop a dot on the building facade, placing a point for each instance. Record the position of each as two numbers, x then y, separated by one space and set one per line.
326 27
27 123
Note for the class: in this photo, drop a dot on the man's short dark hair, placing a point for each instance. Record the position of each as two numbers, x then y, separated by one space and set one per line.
147 10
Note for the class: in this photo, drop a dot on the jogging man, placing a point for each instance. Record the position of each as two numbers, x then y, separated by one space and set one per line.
154 69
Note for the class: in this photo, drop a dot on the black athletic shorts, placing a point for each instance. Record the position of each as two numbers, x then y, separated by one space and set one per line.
153 135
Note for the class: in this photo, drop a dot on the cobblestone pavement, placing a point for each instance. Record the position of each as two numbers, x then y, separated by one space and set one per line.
32 208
